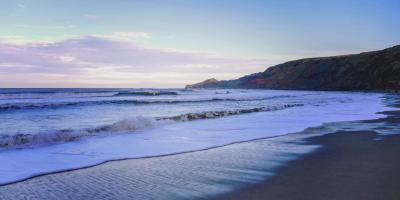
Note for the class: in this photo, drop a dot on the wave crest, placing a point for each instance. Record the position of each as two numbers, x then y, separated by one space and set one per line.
217 114
66 135
123 126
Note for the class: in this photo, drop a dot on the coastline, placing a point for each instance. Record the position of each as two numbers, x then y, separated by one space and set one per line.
237 171
350 165
192 135
200 100
195 175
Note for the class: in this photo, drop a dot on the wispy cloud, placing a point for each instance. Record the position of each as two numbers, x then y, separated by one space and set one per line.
131 35
103 61
126 36
8 39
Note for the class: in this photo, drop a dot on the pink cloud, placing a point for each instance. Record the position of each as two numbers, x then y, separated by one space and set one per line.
77 56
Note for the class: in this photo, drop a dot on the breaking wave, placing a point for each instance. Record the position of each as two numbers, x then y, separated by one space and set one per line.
66 135
123 126
217 114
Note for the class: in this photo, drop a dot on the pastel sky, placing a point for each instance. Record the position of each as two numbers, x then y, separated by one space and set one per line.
170 43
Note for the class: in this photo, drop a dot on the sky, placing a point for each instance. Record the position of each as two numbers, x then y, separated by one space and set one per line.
170 43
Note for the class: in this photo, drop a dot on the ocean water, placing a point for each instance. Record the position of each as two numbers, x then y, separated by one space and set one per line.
51 130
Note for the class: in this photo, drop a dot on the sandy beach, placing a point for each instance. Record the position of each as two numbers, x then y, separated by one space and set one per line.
347 164
351 165
221 100
338 160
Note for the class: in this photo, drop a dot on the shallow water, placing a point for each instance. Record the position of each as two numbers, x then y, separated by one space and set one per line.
196 175
139 129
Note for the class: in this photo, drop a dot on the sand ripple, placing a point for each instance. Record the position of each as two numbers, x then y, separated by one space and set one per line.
195 175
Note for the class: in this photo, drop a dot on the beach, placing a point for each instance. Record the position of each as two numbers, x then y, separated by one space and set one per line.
350 166
357 160
194 100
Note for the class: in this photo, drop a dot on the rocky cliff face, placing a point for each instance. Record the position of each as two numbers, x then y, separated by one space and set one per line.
377 70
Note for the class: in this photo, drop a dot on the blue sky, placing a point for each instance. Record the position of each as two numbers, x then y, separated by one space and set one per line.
199 38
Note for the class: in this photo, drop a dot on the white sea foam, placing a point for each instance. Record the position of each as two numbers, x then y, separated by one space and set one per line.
68 135
127 125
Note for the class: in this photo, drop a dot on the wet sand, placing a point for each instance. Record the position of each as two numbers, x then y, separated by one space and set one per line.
351 165
194 175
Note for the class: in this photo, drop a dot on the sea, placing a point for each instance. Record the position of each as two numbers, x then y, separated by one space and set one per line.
52 130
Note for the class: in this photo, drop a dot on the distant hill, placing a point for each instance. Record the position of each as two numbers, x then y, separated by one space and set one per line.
205 83
375 70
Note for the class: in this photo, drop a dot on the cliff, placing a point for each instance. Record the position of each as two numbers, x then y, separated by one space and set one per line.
376 70
203 84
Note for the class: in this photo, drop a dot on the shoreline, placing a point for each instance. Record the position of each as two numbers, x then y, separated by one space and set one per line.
195 175
350 165
256 185
183 137
188 152
139 158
